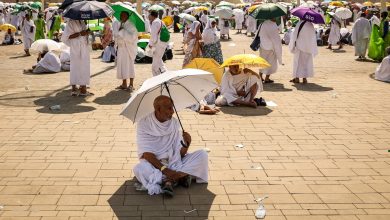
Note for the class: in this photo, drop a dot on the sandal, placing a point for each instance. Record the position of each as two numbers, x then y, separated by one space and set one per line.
268 81
121 87
168 190
86 94
186 181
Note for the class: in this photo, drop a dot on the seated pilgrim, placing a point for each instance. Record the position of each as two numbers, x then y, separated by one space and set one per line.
163 152
65 60
239 88
382 72
48 62
9 38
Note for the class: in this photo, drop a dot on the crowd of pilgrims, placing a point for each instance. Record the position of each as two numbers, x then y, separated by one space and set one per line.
121 43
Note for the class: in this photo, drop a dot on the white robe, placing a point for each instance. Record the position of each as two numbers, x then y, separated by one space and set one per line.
304 49
239 18
2 21
334 34
270 46
361 32
231 83
163 140
204 19
251 24
50 62
223 30
79 53
382 72
28 36
158 48
126 39
107 53
65 60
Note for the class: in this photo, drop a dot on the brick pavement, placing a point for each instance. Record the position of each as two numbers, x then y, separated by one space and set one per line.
320 154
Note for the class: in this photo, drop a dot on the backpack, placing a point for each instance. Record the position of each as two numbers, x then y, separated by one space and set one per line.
164 33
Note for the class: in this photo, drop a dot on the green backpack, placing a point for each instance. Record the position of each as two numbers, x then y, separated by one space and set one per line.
164 33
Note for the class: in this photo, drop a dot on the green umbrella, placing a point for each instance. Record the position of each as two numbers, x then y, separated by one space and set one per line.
36 5
269 11
143 43
156 8
134 17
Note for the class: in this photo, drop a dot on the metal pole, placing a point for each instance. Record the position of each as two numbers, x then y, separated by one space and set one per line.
174 107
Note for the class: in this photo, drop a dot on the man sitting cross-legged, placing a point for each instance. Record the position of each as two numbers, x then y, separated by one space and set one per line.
162 149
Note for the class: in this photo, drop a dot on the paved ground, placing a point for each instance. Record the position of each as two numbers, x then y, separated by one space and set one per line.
321 154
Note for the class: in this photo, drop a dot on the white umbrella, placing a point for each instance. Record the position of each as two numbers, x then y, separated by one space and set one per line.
187 17
186 2
45 45
237 11
343 13
189 9
224 13
175 2
185 87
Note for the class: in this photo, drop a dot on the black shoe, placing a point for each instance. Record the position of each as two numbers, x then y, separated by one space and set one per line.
186 181
260 102
168 190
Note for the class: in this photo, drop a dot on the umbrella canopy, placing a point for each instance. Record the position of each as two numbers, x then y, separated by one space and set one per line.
66 3
308 14
168 20
45 45
209 65
201 8
248 60
156 8
186 2
96 27
5 27
36 5
224 12
269 11
88 10
336 3
368 3
343 13
225 4
252 8
134 17
185 87
53 8
143 43
187 17
175 2
237 11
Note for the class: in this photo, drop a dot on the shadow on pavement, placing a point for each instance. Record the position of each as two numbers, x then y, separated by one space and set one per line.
19 56
275 87
115 97
312 87
128 203
69 104
246 111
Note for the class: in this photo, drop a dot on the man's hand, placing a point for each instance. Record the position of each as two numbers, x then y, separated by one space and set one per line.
187 138
173 175
84 32
241 92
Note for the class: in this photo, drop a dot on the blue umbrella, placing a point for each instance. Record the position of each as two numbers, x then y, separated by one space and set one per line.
88 10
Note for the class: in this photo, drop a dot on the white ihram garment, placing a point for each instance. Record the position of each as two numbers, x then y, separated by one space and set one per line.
28 36
382 72
304 49
270 46
361 32
158 48
50 63
163 140
79 53
126 39
334 34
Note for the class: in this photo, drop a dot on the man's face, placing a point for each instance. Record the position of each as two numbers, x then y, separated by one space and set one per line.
165 110
234 68
124 16
151 18
213 24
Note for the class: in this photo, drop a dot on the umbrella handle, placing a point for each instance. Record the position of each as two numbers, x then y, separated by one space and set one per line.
174 107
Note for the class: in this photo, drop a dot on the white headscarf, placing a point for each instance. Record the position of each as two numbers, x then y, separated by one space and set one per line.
194 26
209 35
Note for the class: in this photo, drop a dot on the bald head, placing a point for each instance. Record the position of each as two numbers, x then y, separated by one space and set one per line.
163 108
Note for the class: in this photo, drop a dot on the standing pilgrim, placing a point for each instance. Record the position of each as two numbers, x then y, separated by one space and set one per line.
361 32
334 35
28 33
156 45
224 26
239 19
304 48
251 25
75 36
126 37
270 48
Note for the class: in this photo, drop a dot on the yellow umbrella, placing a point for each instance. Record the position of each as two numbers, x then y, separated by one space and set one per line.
201 8
144 36
248 60
52 4
252 8
368 4
5 27
209 65
336 3
168 20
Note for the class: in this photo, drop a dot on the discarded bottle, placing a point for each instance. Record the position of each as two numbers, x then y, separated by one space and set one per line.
55 107
260 212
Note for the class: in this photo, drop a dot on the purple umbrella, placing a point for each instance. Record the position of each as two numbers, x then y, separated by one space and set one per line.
308 14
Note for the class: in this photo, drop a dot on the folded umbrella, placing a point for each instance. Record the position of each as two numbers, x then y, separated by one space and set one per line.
134 17
269 11
308 14
185 87
88 10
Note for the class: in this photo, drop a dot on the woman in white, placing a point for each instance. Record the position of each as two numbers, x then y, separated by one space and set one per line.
75 36
304 48
270 48
211 43
193 49
126 38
